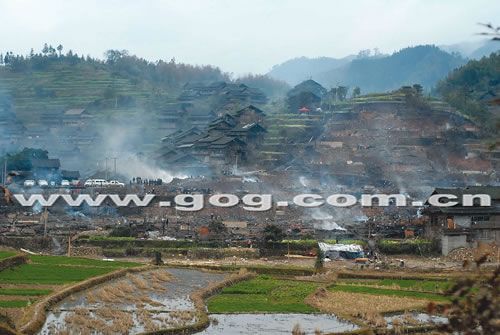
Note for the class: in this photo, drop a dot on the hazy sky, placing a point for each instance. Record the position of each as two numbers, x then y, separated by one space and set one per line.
239 36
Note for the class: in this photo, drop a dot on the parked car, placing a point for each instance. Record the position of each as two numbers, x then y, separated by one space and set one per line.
116 183
96 183
65 183
29 183
43 183
52 183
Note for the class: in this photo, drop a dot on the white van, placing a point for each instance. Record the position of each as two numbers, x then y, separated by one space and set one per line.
116 183
96 183
29 183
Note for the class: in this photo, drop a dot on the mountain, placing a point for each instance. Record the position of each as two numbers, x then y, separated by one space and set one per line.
424 65
474 49
485 50
296 70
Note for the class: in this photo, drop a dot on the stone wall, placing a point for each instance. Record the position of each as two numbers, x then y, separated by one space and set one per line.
450 242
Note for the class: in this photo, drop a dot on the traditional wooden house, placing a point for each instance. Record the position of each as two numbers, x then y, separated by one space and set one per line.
227 150
461 226
250 133
76 117
249 114
306 96
45 168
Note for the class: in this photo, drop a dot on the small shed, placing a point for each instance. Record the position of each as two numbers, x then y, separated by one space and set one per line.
338 251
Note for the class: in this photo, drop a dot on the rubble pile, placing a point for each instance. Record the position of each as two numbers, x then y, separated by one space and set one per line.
86 252
472 254
461 254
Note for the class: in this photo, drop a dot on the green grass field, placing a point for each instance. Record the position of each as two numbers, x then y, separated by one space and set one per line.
58 270
49 270
24 291
13 303
50 274
388 292
263 294
404 284
79 261
6 254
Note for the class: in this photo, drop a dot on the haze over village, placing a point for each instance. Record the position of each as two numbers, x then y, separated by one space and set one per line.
179 101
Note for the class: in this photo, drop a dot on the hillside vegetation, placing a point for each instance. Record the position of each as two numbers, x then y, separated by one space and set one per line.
295 70
474 89
424 65
51 81
373 72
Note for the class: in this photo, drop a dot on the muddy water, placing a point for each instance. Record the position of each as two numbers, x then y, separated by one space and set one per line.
141 302
152 304
271 324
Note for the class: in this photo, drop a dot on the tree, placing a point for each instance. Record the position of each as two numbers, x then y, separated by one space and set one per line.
45 49
319 263
112 56
217 230
475 305
342 92
22 160
273 233
356 92
121 231
418 89
333 93
60 49
364 53
52 51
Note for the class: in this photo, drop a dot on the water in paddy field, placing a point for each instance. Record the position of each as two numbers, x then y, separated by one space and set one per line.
165 306
271 324
147 306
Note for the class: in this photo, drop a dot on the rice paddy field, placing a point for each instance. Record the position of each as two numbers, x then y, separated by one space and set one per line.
6 254
264 294
365 302
341 303
25 284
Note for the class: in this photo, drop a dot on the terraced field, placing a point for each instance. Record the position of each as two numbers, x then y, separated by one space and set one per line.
264 294
25 284
280 127
6 254
63 87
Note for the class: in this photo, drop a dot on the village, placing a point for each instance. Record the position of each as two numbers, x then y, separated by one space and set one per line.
155 197
320 144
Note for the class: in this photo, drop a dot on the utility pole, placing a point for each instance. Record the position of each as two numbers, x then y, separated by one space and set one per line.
106 168
4 172
114 159
45 217
69 245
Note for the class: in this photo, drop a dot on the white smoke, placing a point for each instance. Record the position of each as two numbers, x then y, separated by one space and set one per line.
137 167
326 221
303 181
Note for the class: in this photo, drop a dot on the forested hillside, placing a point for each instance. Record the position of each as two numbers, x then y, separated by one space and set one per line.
295 70
424 65
51 80
474 89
